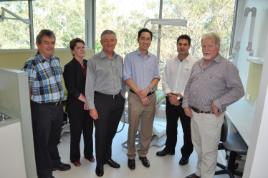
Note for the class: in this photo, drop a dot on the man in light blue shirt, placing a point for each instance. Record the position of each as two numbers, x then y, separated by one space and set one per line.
141 74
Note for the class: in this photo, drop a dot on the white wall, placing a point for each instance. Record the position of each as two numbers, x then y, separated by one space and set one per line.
11 152
256 163
242 113
251 117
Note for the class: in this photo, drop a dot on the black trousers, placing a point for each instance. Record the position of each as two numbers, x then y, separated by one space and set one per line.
80 123
110 109
172 114
46 123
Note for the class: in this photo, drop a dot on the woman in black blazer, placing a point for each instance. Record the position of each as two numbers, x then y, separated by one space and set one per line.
77 108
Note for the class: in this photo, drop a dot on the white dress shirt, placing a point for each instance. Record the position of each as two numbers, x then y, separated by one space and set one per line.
176 74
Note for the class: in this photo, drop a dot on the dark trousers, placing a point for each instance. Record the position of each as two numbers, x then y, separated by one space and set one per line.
80 122
110 109
46 123
172 114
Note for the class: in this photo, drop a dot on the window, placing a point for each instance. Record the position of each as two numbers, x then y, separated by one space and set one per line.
65 18
202 17
125 18
11 37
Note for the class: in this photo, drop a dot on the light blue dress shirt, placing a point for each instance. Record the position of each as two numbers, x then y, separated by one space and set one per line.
141 68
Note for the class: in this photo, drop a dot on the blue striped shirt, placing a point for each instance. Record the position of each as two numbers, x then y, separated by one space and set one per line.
141 69
45 79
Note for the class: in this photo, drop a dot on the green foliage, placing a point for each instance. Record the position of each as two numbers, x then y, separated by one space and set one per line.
14 34
66 19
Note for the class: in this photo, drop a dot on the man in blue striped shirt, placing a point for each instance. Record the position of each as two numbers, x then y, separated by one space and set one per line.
141 74
46 92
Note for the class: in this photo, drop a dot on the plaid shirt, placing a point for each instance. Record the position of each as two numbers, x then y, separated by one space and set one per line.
45 79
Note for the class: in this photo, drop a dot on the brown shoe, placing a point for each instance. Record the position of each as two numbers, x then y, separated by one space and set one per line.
90 159
145 161
77 163
131 164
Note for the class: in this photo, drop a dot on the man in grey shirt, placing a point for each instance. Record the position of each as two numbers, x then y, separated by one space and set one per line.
104 89
214 84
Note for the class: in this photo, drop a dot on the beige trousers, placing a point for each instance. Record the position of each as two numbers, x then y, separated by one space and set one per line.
206 130
137 113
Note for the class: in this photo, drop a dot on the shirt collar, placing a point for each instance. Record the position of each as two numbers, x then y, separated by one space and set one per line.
42 59
217 59
104 56
139 53
184 60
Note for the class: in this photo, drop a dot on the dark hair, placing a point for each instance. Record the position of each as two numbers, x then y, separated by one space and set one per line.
185 37
44 32
74 41
145 30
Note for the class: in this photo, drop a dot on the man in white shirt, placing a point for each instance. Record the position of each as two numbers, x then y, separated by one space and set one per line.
176 75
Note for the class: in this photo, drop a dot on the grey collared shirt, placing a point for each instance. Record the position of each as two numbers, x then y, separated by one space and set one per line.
103 75
218 82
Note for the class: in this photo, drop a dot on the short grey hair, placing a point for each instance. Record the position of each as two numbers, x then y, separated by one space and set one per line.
105 32
214 36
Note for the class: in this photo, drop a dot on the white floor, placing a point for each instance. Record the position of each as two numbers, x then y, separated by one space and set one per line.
161 167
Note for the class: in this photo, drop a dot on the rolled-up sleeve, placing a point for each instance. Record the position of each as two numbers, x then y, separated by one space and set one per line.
156 70
28 67
127 73
164 81
234 87
186 96
90 83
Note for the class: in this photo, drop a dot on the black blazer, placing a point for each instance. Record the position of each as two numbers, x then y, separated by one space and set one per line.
75 82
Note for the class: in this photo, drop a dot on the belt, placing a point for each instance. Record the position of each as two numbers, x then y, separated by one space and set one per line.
55 103
200 111
150 93
50 103
103 94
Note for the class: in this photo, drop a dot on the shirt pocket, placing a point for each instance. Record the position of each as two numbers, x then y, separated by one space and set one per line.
118 69
187 68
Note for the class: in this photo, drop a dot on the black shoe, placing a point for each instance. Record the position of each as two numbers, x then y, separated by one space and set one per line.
145 161
165 152
61 167
193 176
99 170
112 163
184 160
131 164
48 177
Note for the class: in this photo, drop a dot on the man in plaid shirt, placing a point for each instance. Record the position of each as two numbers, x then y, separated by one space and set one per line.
46 93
